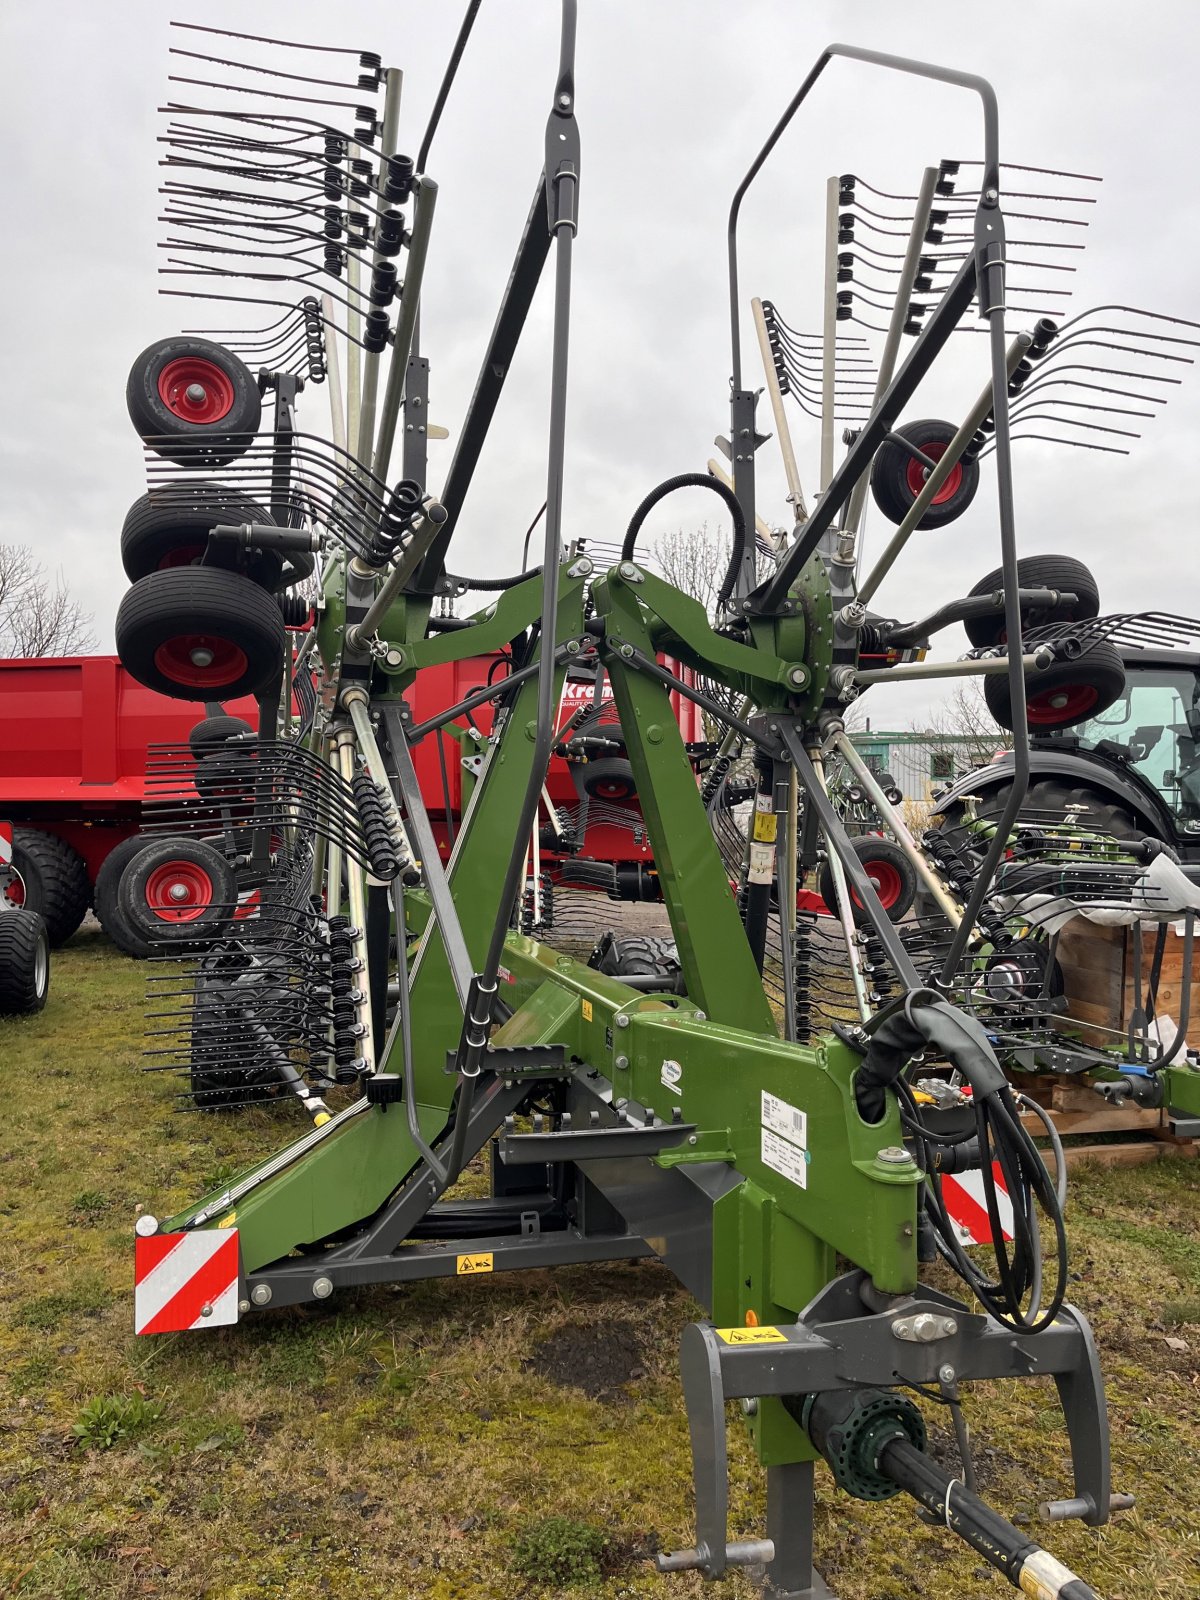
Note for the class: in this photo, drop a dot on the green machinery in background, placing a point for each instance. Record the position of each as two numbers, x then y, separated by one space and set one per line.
789 1179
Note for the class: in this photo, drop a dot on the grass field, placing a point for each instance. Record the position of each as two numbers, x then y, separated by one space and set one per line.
416 1442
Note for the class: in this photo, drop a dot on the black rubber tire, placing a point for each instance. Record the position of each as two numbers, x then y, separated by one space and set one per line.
1064 693
169 528
24 963
208 736
177 438
200 607
896 885
1062 573
609 778
106 898
56 881
1022 971
160 934
897 477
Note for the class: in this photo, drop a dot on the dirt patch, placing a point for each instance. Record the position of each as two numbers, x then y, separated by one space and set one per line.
599 1358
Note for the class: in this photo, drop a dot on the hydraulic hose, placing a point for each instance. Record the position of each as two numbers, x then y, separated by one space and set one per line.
495 585
694 480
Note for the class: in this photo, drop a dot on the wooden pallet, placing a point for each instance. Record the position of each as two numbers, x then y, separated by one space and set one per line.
1077 1112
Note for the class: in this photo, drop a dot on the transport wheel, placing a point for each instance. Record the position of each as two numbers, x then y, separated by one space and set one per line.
1024 971
891 872
1064 693
107 897
1062 573
169 528
55 881
193 402
197 633
24 963
897 478
209 735
175 894
610 778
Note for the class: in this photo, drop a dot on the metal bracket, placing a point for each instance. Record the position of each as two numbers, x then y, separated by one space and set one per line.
520 1061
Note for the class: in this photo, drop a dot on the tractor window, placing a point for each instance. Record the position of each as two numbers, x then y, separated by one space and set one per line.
1157 723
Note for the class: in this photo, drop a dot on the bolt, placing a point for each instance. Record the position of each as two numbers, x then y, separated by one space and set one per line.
322 1288
146 1226
621 1063
946 1373
564 101
261 1294
692 1139
798 676
243 1307
991 194
701 1016
750 1406
627 569
206 1309
893 1155
195 394
622 1020
626 650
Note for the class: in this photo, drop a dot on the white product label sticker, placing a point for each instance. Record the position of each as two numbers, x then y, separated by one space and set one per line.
788 1121
786 1158
762 863
671 1076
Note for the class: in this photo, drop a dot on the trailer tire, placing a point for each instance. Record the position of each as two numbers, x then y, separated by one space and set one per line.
889 869
898 478
609 778
1061 573
169 527
208 736
24 963
176 895
196 633
56 881
1064 693
209 430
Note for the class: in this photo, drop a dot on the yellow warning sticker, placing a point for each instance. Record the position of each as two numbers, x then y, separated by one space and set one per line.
586 1007
765 821
480 1262
752 1335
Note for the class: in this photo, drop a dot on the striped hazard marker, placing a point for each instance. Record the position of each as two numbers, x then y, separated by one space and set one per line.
6 844
967 1205
185 1280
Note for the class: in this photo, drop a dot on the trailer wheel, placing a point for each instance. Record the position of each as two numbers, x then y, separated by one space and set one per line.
1062 694
24 963
197 633
169 528
55 881
890 871
209 735
175 894
193 402
1061 573
897 478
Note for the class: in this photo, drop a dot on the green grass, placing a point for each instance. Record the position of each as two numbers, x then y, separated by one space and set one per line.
405 1442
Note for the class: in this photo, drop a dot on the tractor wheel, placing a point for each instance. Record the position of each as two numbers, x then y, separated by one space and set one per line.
208 736
897 478
24 963
609 778
107 897
193 402
1062 694
175 894
891 873
1061 573
197 633
55 881
169 528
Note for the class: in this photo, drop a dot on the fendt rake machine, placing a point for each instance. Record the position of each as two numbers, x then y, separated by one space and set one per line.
787 1174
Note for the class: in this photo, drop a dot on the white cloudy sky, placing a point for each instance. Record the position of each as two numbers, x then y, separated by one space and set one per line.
674 97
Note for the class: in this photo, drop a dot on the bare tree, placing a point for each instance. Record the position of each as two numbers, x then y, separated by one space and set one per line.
694 560
964 721
38 616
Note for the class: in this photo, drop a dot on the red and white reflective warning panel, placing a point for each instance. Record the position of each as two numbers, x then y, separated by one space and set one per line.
6 838
967 1205
185 1280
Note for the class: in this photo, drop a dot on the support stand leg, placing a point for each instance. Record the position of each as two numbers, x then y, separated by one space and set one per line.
790 1524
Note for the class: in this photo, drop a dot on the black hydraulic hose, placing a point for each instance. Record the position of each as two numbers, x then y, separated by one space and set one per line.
435 116
694 480
494 585
1025 1564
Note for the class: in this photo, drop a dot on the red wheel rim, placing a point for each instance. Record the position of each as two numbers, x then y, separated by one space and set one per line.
195 390
182 556
886 880
1056 707
614 790
15 893
200 660
914 475
179 891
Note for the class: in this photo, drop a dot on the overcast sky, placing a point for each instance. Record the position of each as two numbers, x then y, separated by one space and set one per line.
674 98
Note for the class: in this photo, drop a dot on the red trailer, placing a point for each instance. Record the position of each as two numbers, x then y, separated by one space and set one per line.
74 736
